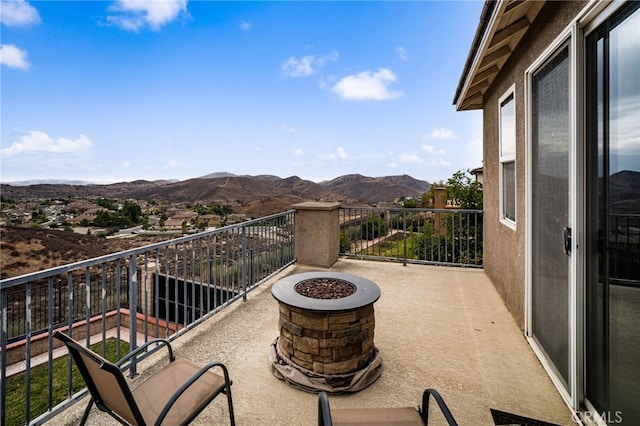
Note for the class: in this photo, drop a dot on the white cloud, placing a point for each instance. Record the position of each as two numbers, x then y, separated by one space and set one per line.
325 82
432 150
294 67
402 53
474 151
298 152
245 26
16 13
13 57
331 57
367 86
409 159
475 144
133 15
125 166
340 153
306 65
174 164
441 134
39 142
439 161
288 129
436 155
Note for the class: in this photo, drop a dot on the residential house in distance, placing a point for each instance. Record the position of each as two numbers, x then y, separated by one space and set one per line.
234 218
87 215
560 93
78 206
209 220
175 223
477 172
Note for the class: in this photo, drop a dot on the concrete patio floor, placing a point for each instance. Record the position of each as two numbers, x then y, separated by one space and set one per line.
438 327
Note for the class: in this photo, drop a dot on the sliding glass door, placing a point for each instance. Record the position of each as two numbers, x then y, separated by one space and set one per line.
612 376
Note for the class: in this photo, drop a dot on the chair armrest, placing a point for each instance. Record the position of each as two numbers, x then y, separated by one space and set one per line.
139 349
190 382
424 410
324 411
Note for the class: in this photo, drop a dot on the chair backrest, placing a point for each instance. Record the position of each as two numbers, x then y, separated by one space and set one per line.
105 381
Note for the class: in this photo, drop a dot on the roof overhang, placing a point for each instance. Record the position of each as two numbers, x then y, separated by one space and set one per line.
502 25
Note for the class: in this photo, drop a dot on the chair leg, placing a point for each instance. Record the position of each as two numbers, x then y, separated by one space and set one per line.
227 391
86 412
324 410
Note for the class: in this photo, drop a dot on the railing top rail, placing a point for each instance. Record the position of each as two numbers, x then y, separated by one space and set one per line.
413 209
261 219
630 215
59 270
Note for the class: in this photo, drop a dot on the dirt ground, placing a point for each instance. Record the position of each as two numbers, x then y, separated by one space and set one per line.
25 250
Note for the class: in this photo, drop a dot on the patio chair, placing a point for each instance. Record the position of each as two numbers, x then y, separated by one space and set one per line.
381 416
174 395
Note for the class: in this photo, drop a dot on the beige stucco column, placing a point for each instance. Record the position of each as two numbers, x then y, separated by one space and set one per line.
149 287
317 233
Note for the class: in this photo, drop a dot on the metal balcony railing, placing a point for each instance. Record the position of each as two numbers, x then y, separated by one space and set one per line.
623 252
430 236
123 300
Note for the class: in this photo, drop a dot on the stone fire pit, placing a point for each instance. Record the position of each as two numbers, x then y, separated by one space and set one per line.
326 332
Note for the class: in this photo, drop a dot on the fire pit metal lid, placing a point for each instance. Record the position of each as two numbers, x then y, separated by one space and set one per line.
367 292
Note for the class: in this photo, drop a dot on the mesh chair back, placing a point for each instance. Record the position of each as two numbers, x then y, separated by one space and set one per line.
105 382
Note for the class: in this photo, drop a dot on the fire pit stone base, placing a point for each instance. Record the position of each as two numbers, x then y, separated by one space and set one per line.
326 323
327 343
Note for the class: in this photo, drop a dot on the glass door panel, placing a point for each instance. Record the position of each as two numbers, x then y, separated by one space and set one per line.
612 382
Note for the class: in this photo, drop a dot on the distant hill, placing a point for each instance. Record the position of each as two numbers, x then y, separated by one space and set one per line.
50 182
624 192
385 188
226 187
217 175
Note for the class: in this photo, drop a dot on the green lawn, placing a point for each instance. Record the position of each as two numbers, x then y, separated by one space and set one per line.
393 246
16 385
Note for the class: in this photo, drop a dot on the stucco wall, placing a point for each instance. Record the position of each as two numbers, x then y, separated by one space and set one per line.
504 248
317 235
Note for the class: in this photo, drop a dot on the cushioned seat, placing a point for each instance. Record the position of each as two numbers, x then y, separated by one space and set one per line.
376 416
153 395
381 416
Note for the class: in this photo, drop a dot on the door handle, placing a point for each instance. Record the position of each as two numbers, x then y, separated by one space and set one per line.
566 233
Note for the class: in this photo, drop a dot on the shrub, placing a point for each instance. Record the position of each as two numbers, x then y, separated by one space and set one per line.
345 242
374 227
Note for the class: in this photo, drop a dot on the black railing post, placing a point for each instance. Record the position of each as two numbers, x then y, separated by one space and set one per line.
27 405
404 238
133 305
103 297
118 284
50 342
87 308
244 263
3 357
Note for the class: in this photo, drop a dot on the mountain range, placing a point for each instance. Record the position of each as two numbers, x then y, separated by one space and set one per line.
227 187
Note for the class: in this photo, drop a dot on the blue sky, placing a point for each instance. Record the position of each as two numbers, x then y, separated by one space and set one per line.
124 90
